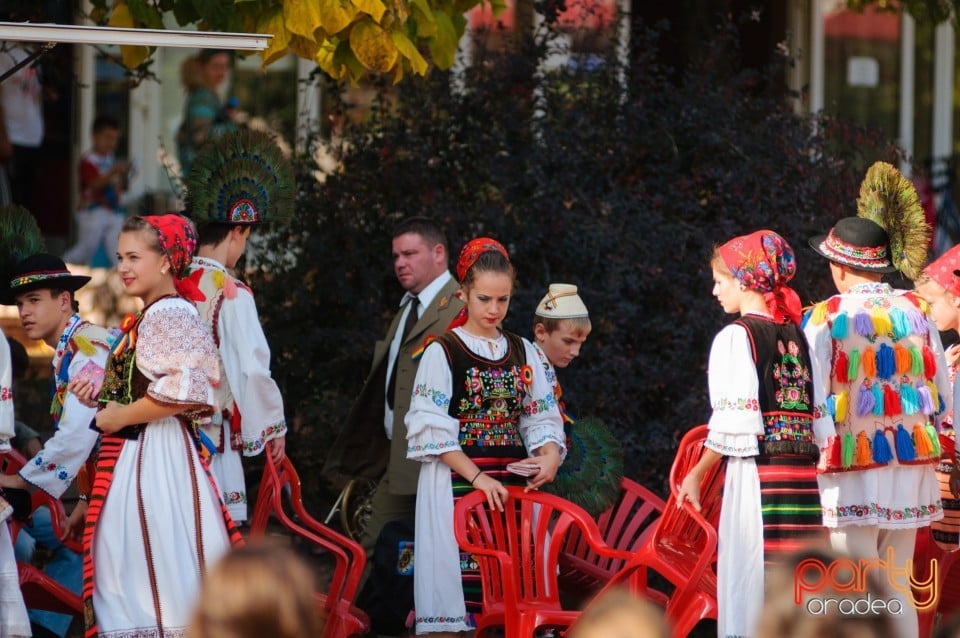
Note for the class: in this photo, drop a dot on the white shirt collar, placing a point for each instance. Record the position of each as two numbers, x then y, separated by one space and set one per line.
428 294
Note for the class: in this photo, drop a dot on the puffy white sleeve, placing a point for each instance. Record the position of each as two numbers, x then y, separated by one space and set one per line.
820 343
735 422
56 465
6 397
540 420
246 364
175 351
431 431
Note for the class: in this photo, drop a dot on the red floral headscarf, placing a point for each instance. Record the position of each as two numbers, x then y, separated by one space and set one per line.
178 240
943 270
468 257
763 261
472 251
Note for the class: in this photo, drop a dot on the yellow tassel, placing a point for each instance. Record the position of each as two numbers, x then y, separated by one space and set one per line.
840 407
218 278
869 361
862 456
921 441
924 306
84 345
881 321
819 314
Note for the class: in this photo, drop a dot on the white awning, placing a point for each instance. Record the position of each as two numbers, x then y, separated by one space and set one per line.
83 34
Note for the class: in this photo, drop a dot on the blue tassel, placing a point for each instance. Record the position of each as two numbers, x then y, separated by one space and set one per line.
886 362
840 329
832 406
207 448
863 324
881 448
877 399
901 325
909 399
942 405
905 449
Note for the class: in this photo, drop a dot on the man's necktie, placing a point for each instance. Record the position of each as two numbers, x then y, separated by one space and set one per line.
408 324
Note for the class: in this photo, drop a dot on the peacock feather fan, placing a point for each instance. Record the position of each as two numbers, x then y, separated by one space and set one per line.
240 178
889 199
20 237
590 476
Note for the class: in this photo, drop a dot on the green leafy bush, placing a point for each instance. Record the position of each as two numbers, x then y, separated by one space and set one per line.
622 190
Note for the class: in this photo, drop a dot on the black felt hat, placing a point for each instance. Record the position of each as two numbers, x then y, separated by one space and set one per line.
856 242
40 271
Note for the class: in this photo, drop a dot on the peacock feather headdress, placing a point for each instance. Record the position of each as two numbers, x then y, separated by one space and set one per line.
890 200
20 238
240 178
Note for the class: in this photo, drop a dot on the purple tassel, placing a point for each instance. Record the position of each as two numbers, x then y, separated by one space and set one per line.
926 399
877 392
886 362
865 401
901 325
917 322
863 324
881 448
905 450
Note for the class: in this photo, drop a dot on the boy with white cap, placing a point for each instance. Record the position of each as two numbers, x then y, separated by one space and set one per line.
561 324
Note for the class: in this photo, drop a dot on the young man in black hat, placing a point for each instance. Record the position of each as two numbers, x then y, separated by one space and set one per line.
42 289
880 388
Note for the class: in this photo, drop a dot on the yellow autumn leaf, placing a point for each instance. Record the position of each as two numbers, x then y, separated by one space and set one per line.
373 46
132 56
302 17
303 47
325 60
272 22
374 8
335 15
408 50
443 46
426 25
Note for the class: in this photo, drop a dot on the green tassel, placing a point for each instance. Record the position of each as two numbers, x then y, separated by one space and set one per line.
848 448
934 439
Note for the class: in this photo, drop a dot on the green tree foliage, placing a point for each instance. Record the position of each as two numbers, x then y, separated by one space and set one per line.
935 11
623 192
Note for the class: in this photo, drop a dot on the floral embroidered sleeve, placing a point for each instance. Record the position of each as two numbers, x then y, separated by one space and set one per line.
175 351
821 361
735 421
431 431
540 421
6 398
246 363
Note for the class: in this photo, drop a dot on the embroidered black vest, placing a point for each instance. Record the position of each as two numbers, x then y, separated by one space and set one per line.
487 396
781 356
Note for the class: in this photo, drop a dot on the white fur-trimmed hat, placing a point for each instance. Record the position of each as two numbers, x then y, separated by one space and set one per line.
562 302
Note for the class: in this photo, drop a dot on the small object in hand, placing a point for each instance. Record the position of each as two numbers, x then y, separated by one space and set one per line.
90 373
523 469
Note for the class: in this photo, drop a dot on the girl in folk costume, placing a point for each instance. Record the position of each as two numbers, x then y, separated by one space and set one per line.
762 422
237 183
155 520
939 286
880 384
480 401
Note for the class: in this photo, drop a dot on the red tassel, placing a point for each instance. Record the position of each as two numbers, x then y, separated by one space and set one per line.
834 458
891 401
833 305
841 367
929 363
912 297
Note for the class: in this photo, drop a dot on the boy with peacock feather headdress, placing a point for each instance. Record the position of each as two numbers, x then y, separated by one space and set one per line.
880 384
237 182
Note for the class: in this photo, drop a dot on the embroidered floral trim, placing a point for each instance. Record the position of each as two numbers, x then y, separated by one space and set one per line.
428 448
848 513
254 446
60 471
729 450
442 620
747 405
544 404
151 632
439 399
6 394
234 498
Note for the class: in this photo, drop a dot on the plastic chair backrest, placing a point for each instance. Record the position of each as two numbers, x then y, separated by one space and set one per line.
678 522
625 526
927 550
518 549
349 556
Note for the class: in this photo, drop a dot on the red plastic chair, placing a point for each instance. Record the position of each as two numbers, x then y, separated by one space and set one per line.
928 549
518 551
625 526
39 590
341 618
683 546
